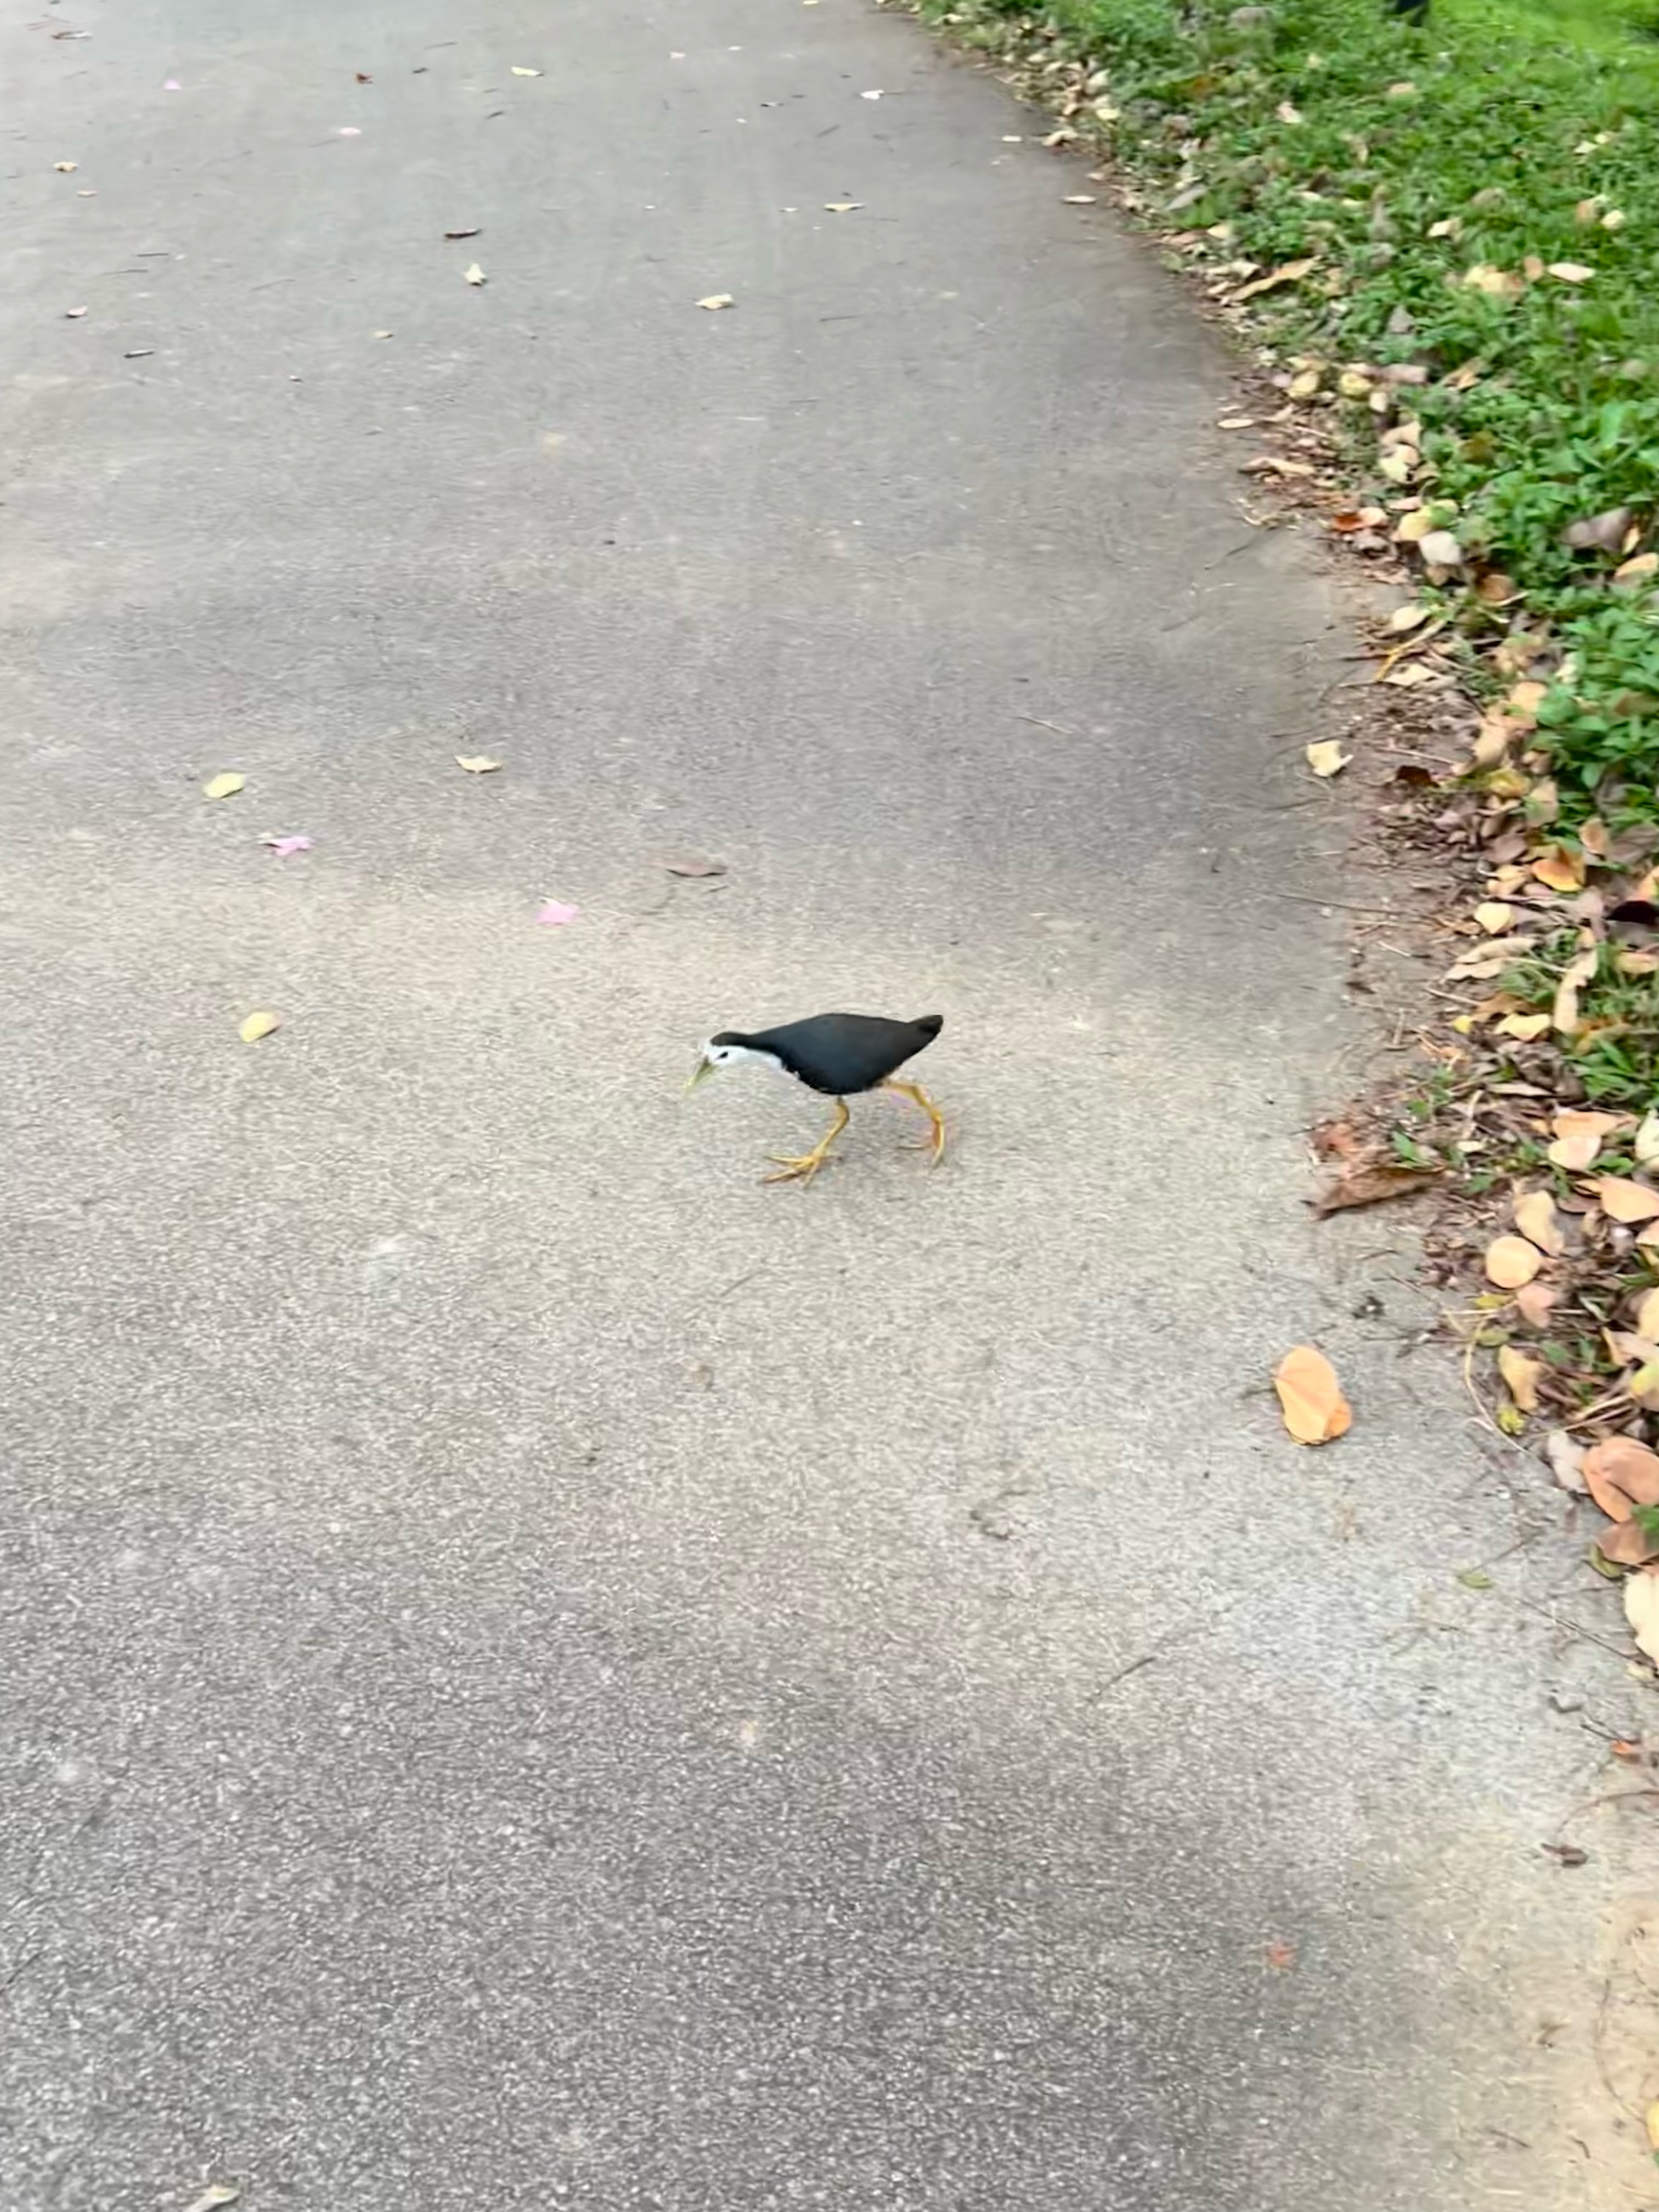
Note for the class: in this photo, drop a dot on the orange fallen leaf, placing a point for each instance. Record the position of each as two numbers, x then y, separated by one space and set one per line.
1369 1184
1579 1136
1627 1545
1280 1955
1511 1262
1621 1475
1534 1303
1310 1397
1647 1315
1624 1200
1526 1028
1561 870
1578 971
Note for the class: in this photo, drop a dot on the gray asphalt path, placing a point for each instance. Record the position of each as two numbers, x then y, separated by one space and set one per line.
536 1668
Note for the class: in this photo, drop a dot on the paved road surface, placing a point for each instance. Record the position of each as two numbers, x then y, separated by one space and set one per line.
537 1669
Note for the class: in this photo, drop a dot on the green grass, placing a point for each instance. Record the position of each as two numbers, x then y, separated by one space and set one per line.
1296 134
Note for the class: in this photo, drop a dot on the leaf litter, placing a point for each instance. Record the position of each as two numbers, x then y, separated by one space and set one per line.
1310 1399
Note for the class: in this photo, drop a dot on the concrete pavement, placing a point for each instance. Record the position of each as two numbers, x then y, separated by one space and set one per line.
538 1670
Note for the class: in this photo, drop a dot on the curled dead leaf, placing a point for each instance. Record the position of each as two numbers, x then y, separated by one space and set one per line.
215 2195
1291 272
1621 1475
1328 757
1521 1376
716 301
1511 1262
1560 869
1310 1397
1628 1544
223 787
1528 1028
1567 1457
259 1025
1571 272
475 275
1534 1302
477 764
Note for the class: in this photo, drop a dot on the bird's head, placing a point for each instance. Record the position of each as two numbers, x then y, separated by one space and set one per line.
724 1049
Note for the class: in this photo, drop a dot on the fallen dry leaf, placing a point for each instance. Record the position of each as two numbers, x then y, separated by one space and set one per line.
1640 569
1080 199
475 275
1599 533
1327 759
517 71
1291 272
1371 1185
1624 1200
1494 916
217 2194
1511 1261
716 301
73 314
1571 272
477 764
1650 2121
259 1025
284 849
66 168
1621 1475
1579 1136
1645 1143
1280 1955
693 864
553 914
1642 1609
1534 1302
1560 870
1627 1544
1535 1216
476 231
1521 1376
1310 1397
843 206
1647 1316
1440 549
223 787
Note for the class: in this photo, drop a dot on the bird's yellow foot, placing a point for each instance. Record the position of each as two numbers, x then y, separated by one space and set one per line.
797 1170
803 1169
933 1144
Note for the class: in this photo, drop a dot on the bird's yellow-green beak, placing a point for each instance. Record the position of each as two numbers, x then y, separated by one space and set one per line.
703 1067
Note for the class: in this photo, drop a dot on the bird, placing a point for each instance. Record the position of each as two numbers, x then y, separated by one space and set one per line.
838 1055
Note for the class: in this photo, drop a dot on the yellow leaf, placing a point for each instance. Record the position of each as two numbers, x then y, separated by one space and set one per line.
259 1025
1535 1216
1511 1262
1645 1142
1624 1200
1571 272
1410 528
841 207
1637 570
1579 1136
223 787
1526 1028
517 71
1521 1376
1651 2119
1647 1316
1310 1397
477 764
1406 617
1328 758
716 301
1494 916
476 275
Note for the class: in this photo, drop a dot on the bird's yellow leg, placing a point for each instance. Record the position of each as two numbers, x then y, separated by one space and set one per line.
804 1169
936 1143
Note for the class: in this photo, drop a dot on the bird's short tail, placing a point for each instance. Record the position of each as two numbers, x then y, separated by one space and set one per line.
929 1024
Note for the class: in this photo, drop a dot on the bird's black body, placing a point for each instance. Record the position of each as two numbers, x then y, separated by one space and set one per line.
841 1054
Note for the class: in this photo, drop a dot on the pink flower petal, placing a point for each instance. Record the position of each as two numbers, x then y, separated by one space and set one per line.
285 848
553 915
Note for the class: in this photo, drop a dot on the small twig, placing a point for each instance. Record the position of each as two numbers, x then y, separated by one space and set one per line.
1039 723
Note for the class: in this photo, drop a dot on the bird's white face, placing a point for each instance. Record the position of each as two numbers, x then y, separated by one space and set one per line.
714 1054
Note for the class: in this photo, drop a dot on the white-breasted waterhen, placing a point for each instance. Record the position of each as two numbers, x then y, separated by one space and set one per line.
839 1054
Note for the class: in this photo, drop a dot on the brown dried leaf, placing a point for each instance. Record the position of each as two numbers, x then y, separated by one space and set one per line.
1370 1185
693 864
1561 870
1310 1397
1627 1545
1534 1301
1578 971
1621 1475
1291 272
